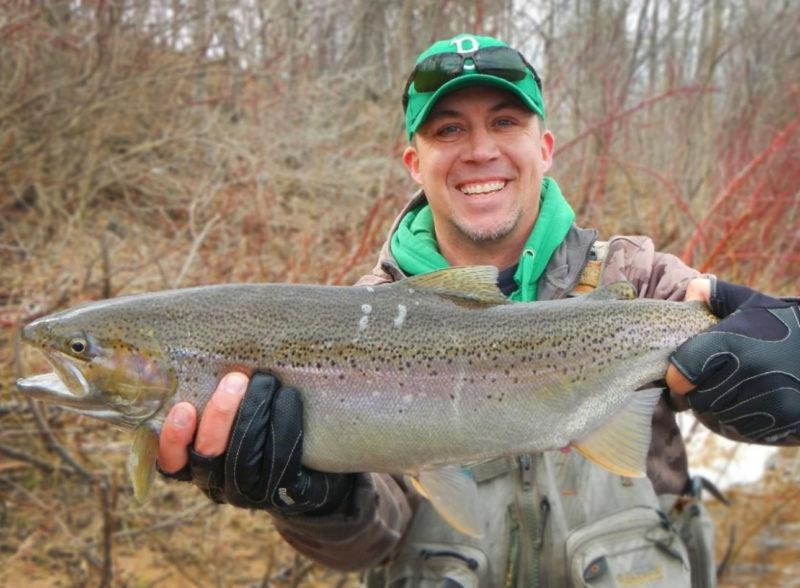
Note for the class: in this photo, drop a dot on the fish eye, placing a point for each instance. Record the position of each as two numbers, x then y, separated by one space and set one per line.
78 345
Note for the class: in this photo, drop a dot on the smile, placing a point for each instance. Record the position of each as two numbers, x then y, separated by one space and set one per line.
483 187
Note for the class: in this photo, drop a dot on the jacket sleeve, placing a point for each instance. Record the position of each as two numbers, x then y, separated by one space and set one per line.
363 534
653 274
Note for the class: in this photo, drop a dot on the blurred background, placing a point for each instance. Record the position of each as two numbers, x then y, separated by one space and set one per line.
154 144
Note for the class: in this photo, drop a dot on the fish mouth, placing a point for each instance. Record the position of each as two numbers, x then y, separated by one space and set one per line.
67 387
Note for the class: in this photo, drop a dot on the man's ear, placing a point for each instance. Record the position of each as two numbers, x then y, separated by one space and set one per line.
547 147
411 161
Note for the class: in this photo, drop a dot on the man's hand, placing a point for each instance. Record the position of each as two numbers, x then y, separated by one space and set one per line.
215 426
698 289
746 369
248 449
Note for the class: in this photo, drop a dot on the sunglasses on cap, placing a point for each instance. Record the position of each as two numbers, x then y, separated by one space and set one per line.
432 73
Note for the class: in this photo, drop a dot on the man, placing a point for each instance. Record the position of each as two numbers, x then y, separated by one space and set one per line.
479 151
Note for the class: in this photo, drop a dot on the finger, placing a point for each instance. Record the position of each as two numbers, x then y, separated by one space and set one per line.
287 449
175 437
286 440
677 382
250 467
726 298
208 474
698 289
217 420
697 358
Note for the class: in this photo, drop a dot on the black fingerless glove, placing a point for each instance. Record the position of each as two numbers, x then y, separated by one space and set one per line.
261 468
747 367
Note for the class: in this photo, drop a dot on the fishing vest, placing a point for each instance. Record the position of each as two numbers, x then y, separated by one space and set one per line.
557 520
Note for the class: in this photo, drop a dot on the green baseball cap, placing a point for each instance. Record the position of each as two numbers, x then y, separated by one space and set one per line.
418 104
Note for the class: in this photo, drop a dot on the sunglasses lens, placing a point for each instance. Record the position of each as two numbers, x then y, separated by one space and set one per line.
429 80
435 71
501 62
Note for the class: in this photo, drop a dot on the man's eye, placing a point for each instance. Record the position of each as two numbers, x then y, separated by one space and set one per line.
505 122
448 130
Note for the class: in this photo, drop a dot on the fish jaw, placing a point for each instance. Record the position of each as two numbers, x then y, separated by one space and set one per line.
50 388
121 385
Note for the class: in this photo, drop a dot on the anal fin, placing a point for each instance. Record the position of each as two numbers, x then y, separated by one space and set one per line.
454 495
621 445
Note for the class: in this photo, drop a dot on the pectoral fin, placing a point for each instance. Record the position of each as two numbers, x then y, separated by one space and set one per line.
621 444
142 461
454 495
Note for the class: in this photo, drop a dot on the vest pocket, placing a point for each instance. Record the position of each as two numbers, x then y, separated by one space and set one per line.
431 564
633 547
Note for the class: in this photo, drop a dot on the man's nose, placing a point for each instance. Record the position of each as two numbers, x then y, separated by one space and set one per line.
481 146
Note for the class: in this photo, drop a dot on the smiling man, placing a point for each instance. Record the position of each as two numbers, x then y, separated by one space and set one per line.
479 151
480 155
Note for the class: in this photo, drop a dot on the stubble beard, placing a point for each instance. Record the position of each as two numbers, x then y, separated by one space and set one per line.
489 234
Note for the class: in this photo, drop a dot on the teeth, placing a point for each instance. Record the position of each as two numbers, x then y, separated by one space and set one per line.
483 188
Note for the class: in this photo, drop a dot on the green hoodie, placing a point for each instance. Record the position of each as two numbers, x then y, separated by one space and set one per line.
414 244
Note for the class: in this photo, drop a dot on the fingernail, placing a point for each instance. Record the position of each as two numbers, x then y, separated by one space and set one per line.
180 417
234 383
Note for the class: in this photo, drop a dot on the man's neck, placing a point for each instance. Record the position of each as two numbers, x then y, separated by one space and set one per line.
501 254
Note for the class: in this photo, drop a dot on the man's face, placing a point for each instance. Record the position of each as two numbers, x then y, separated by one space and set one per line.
480 158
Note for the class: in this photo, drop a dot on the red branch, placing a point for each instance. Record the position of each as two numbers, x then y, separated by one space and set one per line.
777 143
363 245
617 116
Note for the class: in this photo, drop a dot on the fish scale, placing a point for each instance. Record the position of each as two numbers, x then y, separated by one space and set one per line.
433 370
475 370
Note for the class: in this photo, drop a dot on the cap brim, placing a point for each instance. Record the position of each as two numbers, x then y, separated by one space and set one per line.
477 79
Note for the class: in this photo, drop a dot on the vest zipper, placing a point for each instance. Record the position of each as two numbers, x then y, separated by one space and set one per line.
533 520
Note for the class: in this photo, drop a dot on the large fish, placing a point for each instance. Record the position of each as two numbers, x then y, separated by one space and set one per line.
432 371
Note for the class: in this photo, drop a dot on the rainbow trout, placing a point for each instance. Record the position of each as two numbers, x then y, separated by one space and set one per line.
432 371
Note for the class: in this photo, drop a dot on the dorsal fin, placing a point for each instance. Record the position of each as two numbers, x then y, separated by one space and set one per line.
469 285
621 290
